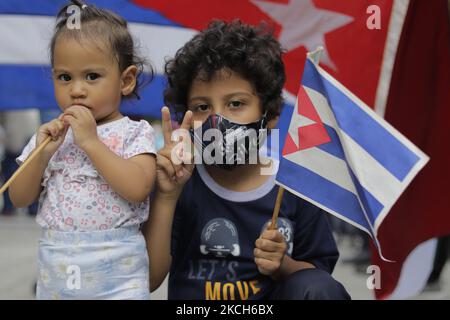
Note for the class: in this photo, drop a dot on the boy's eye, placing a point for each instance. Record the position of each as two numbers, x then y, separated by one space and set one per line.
64 77
235 104
201 107
92 76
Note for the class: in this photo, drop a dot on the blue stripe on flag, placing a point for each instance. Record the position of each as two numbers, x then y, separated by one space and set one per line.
22 86
291 175
372 206
321 191
356 123
127 9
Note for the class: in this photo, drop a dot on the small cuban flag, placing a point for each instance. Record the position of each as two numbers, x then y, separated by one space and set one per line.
341 156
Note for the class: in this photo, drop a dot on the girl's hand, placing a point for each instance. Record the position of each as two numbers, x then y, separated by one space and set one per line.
57 129
269 252
83 125
174 163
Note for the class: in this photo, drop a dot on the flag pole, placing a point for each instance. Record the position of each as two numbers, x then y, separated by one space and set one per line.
276 210
23 166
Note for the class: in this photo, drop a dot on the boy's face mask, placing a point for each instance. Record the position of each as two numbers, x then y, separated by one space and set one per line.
226 144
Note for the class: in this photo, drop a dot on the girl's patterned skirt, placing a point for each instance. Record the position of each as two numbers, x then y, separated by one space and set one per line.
109 264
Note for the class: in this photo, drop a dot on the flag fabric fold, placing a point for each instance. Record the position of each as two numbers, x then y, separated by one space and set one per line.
341 156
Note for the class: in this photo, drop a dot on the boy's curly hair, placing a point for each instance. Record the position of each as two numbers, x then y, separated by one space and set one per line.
250 51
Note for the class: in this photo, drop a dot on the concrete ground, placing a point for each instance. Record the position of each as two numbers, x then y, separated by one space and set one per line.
18 247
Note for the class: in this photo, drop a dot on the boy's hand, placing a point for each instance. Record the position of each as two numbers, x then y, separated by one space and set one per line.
270 249
83 125
174 163
57 129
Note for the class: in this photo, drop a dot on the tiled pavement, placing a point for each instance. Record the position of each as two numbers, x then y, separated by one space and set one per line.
18 247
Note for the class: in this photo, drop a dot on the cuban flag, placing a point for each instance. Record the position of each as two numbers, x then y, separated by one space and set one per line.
161 27
26 28
340 155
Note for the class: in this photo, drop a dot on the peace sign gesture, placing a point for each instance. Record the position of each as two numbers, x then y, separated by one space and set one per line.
174 163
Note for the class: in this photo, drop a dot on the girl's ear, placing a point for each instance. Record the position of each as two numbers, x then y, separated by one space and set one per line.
128 80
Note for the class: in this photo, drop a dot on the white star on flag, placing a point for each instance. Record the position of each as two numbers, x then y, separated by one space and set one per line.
297 122
302 24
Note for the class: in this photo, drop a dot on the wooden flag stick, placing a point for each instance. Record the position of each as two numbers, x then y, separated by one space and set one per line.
23 166
276 210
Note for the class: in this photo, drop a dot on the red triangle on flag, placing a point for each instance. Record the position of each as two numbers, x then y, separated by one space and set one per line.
310 135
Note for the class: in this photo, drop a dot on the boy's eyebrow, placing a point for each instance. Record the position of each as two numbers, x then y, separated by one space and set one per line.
198 98
226 97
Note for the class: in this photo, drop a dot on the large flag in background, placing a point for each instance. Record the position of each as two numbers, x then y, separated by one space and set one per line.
332 155
161 27
418 105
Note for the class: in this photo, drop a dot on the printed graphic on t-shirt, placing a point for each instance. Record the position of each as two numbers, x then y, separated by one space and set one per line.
220 238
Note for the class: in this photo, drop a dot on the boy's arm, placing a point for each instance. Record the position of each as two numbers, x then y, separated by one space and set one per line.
158 235
170 181
132 178
158 230
27 186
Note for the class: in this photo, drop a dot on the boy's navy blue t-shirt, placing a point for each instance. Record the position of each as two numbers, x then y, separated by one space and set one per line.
214 234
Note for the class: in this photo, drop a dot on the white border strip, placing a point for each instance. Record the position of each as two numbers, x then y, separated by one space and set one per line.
26 40
399 10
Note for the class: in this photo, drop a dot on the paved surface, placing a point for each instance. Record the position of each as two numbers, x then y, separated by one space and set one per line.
18 247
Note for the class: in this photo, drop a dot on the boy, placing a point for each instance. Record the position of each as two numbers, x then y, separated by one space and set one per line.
208 224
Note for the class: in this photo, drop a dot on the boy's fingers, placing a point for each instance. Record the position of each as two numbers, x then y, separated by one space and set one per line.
273 256
165 164
176 156
272 234
187 120
175 163
269 245
165 152
182 153
166 124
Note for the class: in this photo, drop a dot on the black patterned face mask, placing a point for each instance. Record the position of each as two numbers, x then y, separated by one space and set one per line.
226 144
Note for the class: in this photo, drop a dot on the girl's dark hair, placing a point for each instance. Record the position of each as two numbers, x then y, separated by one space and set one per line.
250 51
102 24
